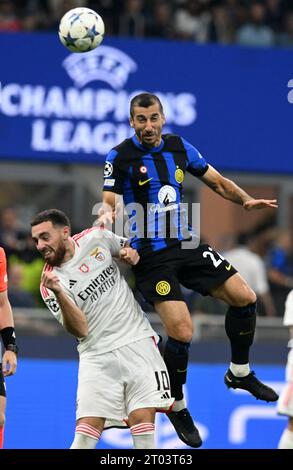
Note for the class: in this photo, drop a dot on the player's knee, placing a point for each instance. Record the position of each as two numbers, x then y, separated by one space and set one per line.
290 424
245 297
181 332
142 415
250 297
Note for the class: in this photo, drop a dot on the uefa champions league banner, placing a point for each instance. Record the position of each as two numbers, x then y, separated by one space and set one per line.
42 413
235 104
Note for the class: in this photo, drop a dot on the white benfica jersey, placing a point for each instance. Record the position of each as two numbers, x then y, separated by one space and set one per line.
93 281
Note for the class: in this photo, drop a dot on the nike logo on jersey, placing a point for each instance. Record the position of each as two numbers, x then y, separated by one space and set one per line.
141 183
243 333
181 371
228 267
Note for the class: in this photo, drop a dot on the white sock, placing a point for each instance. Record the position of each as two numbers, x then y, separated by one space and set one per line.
86 437
143 436
286 441
179 405
239 370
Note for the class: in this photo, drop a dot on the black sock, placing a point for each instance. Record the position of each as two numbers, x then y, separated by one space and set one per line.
176 359
240 327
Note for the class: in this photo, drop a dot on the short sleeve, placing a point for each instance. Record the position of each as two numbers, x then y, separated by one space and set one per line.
113 175
51 303
114 242
196 163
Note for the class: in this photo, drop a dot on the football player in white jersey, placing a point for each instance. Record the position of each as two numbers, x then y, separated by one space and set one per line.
285 402
121 372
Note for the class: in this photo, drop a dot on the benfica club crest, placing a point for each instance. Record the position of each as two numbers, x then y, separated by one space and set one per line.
97 253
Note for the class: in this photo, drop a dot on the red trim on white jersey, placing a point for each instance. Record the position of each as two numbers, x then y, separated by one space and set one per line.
44 291
83 233
88 430
170 409
142 428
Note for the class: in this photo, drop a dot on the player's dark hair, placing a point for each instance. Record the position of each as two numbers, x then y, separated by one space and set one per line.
57 217
145 100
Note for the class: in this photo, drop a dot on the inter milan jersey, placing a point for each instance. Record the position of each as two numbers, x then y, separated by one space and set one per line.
150 181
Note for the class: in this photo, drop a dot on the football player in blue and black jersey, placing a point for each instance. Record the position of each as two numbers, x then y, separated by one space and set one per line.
148 170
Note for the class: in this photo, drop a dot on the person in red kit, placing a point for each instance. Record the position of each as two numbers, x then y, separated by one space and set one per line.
9 360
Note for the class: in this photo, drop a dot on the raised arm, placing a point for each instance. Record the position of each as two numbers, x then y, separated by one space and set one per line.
107 213
229 190
74 320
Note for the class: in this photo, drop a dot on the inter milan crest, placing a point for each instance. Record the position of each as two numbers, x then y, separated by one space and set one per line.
179 175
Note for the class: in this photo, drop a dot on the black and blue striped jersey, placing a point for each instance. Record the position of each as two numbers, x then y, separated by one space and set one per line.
153 179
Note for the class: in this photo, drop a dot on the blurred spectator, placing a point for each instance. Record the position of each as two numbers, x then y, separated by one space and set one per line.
255 32
20 251
221 28
51 16
132 21
161 21
110 11
8 17
286 37
281 268
247 22
281 259
12 235
17 295
32 265
192 22
37 15
60 7
275 14
253 269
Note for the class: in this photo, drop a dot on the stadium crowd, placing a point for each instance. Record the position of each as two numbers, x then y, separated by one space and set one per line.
244 22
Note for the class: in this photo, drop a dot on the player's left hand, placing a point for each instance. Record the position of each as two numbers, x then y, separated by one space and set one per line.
129 255
260 204
9 363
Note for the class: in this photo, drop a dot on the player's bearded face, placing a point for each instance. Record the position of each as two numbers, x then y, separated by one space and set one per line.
51 242
54 256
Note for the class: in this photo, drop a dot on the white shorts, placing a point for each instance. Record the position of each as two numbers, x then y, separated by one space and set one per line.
114 384
285 402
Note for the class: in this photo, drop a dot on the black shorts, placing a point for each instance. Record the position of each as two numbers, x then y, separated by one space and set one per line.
2 384
158 276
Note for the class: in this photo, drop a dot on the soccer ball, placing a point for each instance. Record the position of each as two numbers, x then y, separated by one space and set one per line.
81 30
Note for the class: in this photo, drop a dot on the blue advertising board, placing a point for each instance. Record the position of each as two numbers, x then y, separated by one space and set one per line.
41 410
235 104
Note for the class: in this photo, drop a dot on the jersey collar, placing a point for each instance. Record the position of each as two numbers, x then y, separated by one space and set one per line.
150 150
